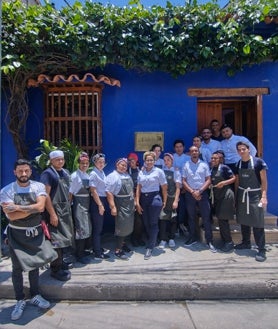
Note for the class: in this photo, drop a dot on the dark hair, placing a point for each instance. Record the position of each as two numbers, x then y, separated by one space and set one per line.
154 146
177 141
206 128
219 152
242 143
22 162
198 136
213 121
226 125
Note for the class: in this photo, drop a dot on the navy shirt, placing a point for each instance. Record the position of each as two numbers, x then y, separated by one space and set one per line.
259 164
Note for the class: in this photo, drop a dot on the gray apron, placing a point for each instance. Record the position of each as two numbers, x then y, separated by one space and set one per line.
124 201
168 212
62 235
248 197
80 212
222 198
26 237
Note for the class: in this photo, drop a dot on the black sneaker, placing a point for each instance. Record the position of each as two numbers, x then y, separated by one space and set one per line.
260 257
190 242
61 275
84 260
67 266
228 246
121 255
126 249
102 257
242 246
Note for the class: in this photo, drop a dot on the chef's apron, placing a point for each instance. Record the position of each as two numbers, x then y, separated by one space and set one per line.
222 198
168 212
249 194
124 201
26 237
62 235
80 212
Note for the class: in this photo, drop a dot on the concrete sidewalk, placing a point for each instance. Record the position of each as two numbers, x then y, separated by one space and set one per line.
180 274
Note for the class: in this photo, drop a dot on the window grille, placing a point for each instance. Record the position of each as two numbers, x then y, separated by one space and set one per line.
74 113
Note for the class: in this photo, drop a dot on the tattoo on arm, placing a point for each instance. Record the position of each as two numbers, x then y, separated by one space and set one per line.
28 209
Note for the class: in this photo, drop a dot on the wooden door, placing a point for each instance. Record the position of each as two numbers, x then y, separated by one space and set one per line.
240 114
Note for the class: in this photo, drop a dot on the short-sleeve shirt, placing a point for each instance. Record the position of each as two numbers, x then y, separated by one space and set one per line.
195 173
259 164
49 177
113 182
77 178
97 180
179 161
8 192
151 181
225 171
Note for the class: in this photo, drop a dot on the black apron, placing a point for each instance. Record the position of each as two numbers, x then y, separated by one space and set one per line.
168 212
80 212
124 201
27 239
62 235
222 199
249 194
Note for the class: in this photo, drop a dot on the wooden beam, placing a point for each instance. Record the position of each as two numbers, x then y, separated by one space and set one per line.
227 92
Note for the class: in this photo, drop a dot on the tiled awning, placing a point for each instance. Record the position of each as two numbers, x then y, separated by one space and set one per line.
72 79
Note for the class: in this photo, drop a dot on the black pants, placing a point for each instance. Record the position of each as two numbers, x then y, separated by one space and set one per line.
204 208
167 229
81 245
259 236
138 229
119 242
17 278
225 231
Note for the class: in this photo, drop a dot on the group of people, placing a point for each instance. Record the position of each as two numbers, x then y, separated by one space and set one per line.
64 213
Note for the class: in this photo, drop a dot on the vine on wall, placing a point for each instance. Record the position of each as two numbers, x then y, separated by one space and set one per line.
172 39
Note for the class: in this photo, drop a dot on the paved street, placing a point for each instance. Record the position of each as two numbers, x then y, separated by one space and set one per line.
255 314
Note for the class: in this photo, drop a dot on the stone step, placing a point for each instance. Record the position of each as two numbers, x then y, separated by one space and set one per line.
269 219
271 230
271 234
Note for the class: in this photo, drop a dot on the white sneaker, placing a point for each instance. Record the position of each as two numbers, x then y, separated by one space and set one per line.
18 309
162 244
172 243
211 247
39 301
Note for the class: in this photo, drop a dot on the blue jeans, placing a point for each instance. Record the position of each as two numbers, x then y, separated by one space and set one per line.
152 205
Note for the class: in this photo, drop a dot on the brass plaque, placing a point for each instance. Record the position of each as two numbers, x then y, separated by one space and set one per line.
145 140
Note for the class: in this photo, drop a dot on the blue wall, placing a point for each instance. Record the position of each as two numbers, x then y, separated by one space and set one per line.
158 102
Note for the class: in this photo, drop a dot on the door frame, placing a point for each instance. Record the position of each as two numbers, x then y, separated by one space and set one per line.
212 93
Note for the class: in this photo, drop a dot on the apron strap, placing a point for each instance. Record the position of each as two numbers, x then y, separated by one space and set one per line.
246 195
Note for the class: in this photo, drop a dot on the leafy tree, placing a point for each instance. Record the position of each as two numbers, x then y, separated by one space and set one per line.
173 39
